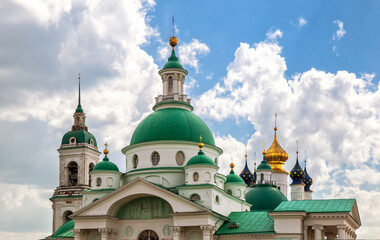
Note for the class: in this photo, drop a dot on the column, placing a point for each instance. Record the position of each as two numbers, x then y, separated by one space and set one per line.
318 232
341 231
305 233
104 232
207 235
176 232
76 234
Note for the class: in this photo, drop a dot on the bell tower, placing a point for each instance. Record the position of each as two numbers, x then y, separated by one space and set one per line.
78 154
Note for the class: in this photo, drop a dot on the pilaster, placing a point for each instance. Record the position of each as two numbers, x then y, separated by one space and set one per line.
177 232
207 232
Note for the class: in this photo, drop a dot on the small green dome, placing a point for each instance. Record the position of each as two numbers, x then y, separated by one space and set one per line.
173 62
233 178
264 197
172 124
106 165
264 165
200 159
64 229
81 136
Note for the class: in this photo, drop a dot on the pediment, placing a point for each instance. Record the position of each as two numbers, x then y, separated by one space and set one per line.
109 204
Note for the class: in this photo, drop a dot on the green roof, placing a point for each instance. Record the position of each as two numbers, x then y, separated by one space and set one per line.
173 62
172 124
264 197
200 159
317 206
248 223
64 231
233 178
106 165
81 136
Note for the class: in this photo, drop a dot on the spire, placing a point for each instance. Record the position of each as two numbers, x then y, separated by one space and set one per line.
79 107
297 174
105 151
173 59
246 174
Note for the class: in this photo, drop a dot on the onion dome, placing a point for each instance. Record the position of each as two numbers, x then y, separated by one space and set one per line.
106 164
264 197
297 174
264 166
232 177
246 174
173 59
307 180
276 155
201 158
81 136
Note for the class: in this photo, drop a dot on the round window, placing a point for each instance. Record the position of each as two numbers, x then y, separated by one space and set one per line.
155 158
135 161
180 158
98 181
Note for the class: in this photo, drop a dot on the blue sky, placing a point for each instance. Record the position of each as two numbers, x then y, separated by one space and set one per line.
315 63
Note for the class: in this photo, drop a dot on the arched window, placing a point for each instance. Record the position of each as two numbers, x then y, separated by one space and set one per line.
98 182
92 141
262 177
196 177
90 168
148 235
195 197
180 158
170 85
65 216
135 161
216 161
229 191
217 199
155 158
73 174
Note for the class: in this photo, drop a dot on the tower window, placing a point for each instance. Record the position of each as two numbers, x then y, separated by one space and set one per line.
65 216
73 140
196 177
170 85
216 161
98 182
91 141
262 177
155 158
195 197
229 191
90 168
180 158
135 161
73 173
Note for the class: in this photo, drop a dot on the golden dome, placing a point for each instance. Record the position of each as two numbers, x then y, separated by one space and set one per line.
276 155
173 41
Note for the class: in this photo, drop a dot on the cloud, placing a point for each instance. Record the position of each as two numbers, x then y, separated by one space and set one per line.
340 32
335 116
273 35
189 53
301 21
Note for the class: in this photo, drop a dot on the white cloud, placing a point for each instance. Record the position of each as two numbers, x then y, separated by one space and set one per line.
340 32
335 116
189 53
209 76
301 21
273 35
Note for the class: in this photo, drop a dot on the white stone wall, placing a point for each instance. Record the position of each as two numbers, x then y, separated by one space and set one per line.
206 174
164 177
297 192
237 189
281 180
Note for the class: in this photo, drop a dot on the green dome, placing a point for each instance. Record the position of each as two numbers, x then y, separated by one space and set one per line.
173 62
81 136
64 230
264 197
172 124
106 165
233 178
264 165
200 159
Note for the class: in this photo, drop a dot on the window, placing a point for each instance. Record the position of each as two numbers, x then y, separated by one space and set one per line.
90 168
73 140
262 177
217 199
170 85
98 182
233 225
229 191
196 177
135 161
155 158
148 235
216 161
180 158
73 173
65 216
91 141
195 197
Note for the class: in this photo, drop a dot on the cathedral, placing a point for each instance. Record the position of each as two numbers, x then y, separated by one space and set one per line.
172 188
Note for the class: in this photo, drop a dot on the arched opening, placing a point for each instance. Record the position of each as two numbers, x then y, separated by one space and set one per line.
155 158
135 161
217 199
73 173
65 216
170 88
98 182
195 197
196 177
90 168
262 177
148 235
229 191
180 158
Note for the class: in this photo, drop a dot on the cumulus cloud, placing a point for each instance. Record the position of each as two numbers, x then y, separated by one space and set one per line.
273 35
340 32
335 116
301 21
189 53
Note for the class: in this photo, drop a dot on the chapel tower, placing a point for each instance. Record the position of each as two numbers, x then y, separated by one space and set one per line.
78 154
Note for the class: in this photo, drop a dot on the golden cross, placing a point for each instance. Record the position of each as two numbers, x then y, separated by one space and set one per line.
106 145
173 25
79 76
275 120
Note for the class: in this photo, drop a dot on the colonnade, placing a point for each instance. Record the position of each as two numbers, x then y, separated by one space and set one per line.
343 231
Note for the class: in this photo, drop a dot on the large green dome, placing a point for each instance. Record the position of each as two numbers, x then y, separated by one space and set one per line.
172 124
81 136
264 197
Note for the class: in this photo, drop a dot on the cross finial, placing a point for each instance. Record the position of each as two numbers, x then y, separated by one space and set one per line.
200 138
297 148
106 145
173 24
305 157
246 152
275 120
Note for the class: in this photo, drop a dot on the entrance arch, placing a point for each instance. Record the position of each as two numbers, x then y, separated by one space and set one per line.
148 235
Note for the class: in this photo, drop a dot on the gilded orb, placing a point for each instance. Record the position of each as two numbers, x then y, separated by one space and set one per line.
173 41
201 145
232 165
105 151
